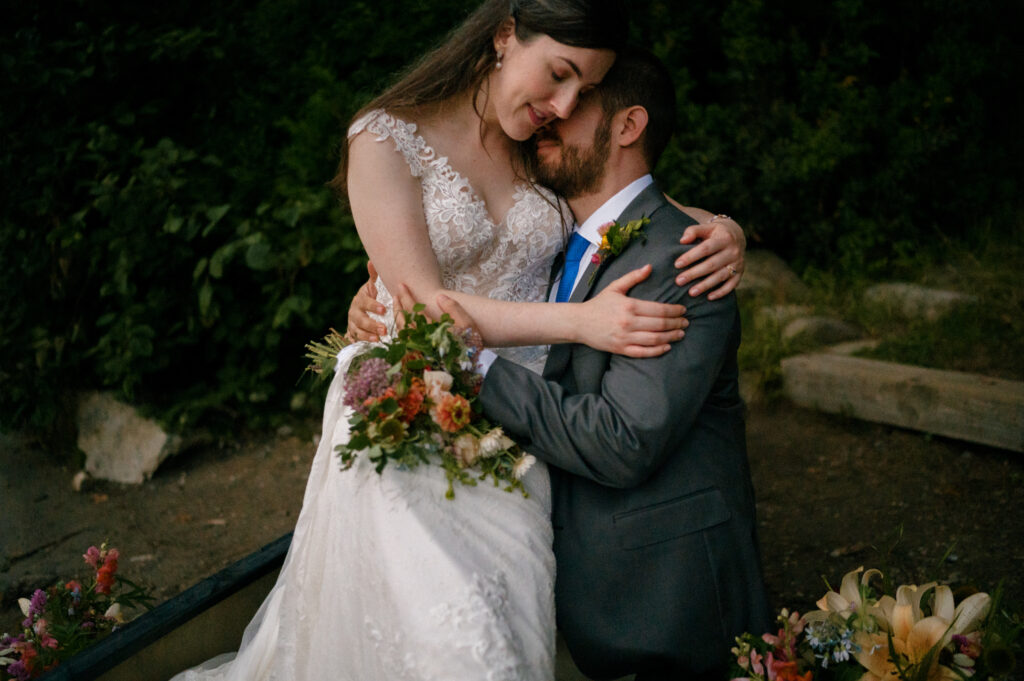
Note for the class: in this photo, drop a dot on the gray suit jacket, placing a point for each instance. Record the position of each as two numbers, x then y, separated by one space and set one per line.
655 535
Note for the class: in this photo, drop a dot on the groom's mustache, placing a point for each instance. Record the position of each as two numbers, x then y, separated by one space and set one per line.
546 133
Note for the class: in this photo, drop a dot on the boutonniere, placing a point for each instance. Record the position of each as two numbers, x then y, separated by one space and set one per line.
615 238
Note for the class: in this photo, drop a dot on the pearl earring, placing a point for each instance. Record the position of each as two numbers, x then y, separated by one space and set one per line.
497 64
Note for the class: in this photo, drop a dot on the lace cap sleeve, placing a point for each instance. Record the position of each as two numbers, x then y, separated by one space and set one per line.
383 125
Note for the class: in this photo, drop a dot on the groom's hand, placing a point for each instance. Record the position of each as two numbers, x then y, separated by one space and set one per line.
361 326
454 310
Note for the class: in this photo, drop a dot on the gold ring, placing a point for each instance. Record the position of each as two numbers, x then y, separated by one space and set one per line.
720 216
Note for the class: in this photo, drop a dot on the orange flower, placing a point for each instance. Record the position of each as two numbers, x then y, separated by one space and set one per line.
412 402
105 575
452 413
789 671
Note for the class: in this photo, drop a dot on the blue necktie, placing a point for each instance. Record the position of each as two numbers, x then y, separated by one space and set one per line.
573 255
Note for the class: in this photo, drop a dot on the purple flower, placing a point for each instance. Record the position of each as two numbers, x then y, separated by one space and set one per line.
6 641
370 380
18 671
37 603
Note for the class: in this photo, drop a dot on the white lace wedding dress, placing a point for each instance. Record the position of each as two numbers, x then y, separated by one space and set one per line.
385 578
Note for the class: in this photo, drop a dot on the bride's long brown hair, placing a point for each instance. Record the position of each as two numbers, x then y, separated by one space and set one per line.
463 60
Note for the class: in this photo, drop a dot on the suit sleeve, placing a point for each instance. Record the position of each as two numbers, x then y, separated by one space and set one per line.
621 435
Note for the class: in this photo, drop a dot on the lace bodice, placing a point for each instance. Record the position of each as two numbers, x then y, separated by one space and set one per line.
509 260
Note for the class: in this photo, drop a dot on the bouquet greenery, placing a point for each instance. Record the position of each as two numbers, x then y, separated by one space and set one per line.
67 618
413 401
920 634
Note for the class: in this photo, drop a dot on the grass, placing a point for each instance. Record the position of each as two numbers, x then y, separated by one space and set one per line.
985 337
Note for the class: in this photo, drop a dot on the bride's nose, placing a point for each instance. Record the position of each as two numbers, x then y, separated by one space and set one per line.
564 101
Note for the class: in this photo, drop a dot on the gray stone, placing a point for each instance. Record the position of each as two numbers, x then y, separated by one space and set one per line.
820 330
853 347
916 301
119 443
768 274
780 315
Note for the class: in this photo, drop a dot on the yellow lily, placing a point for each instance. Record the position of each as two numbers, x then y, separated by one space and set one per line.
852 598
916 639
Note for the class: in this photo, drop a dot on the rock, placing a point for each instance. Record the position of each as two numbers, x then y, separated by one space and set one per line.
780 315
79 481
119 443
916 301
767 273
853 347
821 330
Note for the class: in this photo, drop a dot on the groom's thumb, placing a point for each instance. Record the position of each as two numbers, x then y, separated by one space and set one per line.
458 314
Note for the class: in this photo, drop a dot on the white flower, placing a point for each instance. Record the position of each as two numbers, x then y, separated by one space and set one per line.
467 449
437 383
494 442
24 604
523 464
114 613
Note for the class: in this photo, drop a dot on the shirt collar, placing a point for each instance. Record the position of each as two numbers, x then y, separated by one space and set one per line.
612 209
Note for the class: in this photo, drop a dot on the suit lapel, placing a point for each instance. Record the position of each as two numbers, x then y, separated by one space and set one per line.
556 270
645 203
649 200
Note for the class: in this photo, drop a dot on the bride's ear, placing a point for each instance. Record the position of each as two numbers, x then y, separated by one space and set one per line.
504 34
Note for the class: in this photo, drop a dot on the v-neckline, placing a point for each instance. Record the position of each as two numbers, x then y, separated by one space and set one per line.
446 167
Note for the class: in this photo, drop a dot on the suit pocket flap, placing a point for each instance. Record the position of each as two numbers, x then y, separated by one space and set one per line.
670 519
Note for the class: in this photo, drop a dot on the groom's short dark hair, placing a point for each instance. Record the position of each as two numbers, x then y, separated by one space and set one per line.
638 78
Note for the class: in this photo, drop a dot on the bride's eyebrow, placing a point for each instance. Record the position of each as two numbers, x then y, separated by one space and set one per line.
572 65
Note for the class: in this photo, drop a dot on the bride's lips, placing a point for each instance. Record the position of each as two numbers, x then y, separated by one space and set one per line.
535 117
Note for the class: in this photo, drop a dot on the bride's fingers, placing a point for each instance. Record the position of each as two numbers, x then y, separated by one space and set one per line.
654 339
629 280
652 309
644 351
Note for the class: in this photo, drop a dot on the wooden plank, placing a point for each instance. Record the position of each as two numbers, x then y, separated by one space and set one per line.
954 404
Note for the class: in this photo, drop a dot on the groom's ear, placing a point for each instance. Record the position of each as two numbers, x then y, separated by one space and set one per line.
629 125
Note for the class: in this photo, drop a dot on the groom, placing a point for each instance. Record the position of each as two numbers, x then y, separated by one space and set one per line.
655 542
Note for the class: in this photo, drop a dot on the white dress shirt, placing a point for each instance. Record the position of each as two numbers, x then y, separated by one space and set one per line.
610 210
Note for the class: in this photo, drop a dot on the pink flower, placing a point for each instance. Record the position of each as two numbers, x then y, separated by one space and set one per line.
968 644
92 557
596 258
603 229
467 449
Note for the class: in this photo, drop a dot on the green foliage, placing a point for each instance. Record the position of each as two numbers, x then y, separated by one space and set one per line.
844 133
165 231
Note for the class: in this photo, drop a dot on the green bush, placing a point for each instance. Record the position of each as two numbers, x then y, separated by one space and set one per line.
165 231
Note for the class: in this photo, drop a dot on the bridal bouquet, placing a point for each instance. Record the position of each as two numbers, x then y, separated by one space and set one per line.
413 402
921 634
67 618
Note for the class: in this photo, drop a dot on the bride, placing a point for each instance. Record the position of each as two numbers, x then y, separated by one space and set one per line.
385 578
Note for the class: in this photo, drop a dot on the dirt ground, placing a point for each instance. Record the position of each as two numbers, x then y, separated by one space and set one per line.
833 494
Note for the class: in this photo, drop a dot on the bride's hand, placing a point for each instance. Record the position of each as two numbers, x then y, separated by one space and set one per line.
716 261
614 322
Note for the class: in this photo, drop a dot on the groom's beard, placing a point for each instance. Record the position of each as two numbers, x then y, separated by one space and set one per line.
579 171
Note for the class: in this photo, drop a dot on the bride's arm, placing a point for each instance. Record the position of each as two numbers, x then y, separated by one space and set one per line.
386 202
